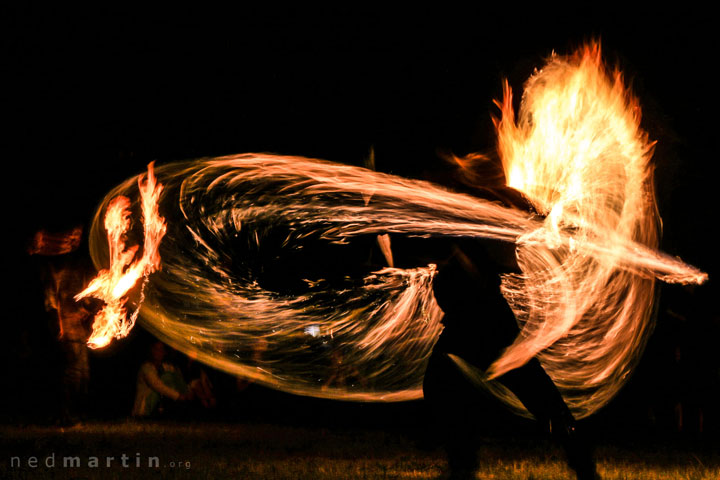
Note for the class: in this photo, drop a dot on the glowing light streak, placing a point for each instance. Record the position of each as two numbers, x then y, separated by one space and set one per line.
583 300
113 283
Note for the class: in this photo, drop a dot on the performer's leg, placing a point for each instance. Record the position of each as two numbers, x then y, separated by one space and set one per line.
538 393
452 402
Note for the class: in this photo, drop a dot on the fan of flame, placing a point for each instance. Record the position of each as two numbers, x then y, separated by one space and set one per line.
583 301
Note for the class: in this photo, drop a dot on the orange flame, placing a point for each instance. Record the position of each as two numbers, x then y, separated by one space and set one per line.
578 153
55 243
113 284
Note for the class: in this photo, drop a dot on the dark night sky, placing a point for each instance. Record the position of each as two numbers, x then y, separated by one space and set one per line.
95 95
92 96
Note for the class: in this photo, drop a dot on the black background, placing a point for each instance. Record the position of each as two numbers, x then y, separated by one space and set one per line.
93 95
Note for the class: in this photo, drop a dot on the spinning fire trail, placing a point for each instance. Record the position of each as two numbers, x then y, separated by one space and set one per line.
583 300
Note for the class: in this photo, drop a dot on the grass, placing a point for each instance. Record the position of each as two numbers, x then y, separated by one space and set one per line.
263 451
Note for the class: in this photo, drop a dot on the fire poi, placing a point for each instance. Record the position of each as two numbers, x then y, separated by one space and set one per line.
583 301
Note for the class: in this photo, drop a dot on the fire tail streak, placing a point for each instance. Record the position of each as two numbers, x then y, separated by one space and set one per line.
239 225
112 285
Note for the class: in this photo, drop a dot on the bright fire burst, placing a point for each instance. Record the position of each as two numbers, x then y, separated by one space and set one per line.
584 299
578 153
113 284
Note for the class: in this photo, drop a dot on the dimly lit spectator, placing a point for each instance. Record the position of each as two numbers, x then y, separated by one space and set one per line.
158 381
200 384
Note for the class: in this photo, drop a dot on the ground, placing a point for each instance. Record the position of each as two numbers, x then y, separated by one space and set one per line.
266 451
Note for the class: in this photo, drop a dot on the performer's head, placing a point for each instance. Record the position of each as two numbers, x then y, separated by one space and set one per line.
484 177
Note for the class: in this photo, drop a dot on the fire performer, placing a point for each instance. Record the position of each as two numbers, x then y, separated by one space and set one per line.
478 324
584 296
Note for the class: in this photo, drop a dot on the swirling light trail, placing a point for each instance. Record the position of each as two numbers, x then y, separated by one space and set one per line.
234 291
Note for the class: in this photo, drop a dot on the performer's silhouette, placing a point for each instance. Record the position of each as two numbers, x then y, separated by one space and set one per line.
479 324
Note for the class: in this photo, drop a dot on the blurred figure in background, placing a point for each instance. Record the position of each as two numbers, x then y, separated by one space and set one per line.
158 382
66 273
200 384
